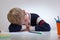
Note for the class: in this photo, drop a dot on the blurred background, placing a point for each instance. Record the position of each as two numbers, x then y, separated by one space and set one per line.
47 9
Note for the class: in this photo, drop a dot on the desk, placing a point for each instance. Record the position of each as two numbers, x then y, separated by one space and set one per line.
52 35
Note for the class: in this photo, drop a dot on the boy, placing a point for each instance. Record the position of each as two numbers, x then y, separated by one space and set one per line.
18 17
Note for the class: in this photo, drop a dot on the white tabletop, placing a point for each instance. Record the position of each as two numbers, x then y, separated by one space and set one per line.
52 35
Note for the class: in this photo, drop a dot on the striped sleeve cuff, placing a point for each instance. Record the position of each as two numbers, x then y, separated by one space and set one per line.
38 20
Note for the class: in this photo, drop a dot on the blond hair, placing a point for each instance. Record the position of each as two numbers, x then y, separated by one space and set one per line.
15 15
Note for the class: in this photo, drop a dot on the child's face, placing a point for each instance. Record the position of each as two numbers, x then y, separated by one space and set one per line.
26 17
20 14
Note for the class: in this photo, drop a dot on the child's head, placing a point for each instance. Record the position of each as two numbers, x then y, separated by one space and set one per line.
16 16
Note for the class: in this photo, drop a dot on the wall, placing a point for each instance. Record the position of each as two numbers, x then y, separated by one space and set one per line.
47 9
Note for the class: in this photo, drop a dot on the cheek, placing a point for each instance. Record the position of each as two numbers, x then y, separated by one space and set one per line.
25 17
22 21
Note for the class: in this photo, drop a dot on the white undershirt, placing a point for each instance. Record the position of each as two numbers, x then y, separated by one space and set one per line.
31 28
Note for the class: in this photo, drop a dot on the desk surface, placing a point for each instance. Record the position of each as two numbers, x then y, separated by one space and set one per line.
52 35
